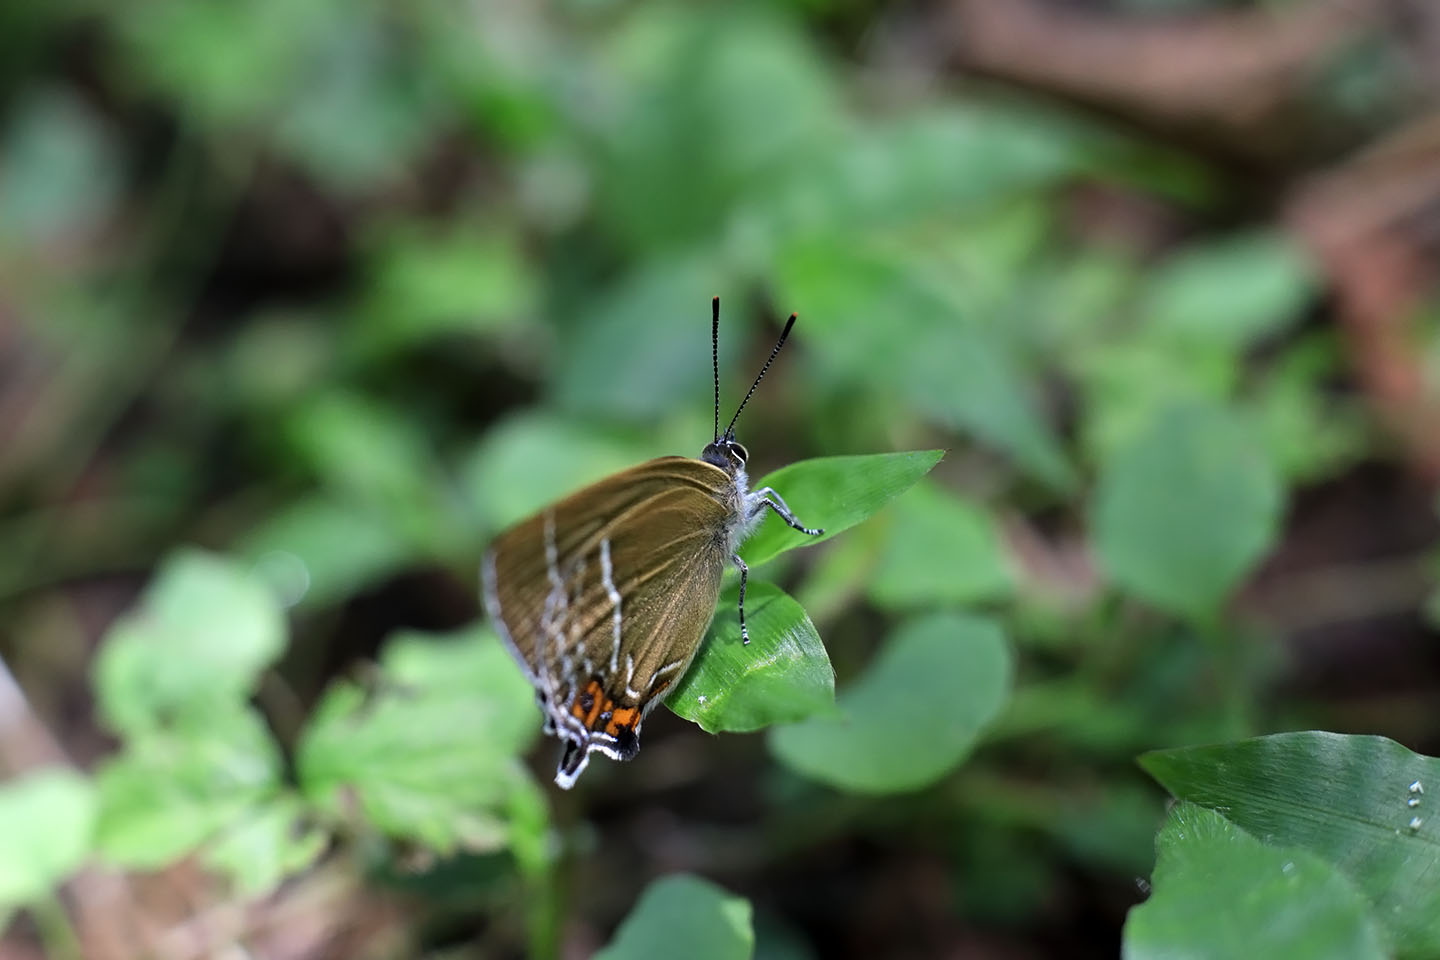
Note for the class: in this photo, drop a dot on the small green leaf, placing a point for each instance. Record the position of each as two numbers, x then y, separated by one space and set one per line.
684 916
1232 292
171 790
1220 893
833 493
1186 509
914 714
202 634
430 755
1361 803
47 820
784 675
939 549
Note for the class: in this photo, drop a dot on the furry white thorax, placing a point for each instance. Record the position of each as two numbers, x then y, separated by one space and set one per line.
748 513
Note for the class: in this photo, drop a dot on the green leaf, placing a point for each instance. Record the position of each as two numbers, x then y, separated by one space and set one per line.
1220 893
1361 803
1233 292
429 755
939 549
47 820
833 493
914 714
202 634
1184 511
266 845
784 675
684 916
172 790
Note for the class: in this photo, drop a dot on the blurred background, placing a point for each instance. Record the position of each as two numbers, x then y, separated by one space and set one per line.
340 289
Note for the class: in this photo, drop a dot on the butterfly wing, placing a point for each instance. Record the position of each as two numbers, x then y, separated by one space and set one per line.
605 597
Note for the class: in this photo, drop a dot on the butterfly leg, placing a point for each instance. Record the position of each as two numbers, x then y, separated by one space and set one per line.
744 575
767 497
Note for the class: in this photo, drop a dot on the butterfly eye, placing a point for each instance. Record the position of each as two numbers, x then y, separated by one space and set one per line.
740 452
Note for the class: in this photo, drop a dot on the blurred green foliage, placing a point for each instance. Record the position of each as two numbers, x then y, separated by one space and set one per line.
340 290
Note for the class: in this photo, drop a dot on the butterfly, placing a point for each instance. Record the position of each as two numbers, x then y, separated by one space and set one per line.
604 597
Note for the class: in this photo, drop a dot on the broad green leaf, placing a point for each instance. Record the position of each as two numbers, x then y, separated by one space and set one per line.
202 633
47 821
430 754
320 550
784 675
1364 804
683 916
169 791
265 845
1185 510
939 549
1220 893
1231 292
913 715
834 494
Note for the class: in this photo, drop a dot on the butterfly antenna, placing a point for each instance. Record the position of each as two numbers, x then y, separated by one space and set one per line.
715 358
729 431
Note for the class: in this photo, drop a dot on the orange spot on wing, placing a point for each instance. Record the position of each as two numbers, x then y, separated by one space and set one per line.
624 718
597 711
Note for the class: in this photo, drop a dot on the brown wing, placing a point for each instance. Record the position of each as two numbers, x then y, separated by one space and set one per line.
605 596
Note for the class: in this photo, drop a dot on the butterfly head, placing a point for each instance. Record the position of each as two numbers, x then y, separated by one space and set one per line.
727 453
